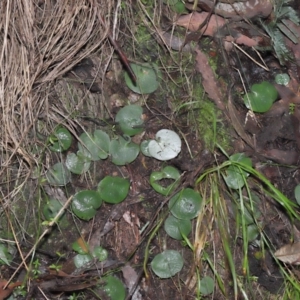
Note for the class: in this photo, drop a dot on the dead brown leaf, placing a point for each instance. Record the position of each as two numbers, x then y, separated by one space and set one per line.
131 277
244 9
194 20
236 10
209 82
5 293
289 254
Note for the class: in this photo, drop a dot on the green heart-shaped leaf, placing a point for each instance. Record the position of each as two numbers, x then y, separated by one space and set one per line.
186 204
176 228
82 259
283 79
235 177
51 209
130 119
85 204
58 175
113 189
77 164
167 172
147 78
167 263
94 146
207 285
60 140
80 248
100 253
261 98
123 151
114 288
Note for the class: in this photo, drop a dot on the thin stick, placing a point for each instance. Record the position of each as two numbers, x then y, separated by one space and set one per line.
265 68
117 47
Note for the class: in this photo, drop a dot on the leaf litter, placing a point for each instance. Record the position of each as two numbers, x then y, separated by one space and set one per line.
55 60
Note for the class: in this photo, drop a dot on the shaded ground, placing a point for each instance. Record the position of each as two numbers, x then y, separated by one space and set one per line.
88 96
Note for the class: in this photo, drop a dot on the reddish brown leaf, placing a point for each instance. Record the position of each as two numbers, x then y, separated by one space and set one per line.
5 293
193 21
209 82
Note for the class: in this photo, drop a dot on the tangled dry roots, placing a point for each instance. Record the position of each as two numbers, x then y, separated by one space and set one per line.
41 41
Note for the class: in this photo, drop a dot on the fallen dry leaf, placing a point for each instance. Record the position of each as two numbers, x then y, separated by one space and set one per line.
209 82
215 26
286 157
5 293
236 10
130 278
241 10
193 21
289 254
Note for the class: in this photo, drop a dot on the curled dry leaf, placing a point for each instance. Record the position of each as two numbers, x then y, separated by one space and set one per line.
289 254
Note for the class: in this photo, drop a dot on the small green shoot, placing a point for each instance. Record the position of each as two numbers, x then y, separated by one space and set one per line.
36 268
55 267
292 108
5 255
76 296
